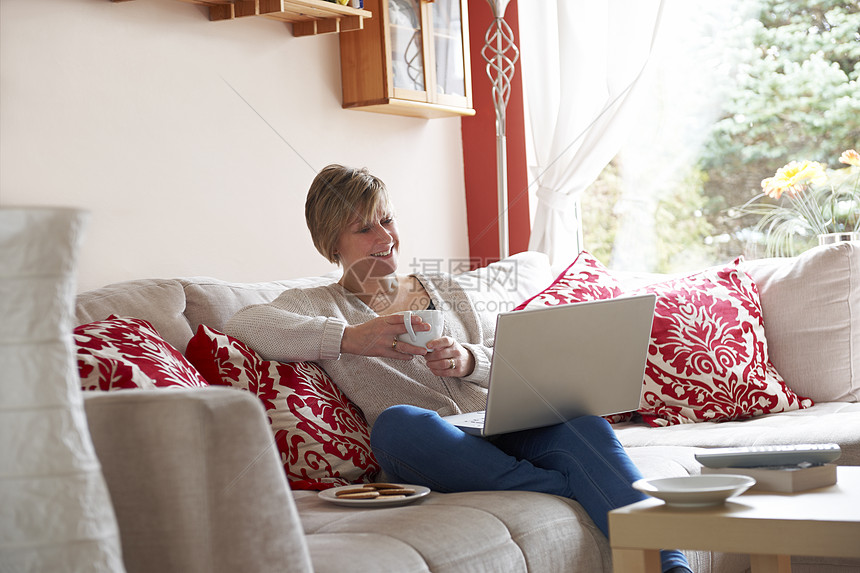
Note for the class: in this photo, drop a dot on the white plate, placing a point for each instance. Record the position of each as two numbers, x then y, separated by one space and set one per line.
381 501
695 491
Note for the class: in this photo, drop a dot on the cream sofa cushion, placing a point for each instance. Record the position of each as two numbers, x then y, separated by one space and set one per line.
161 302
511 531
837 422
811 309
213 302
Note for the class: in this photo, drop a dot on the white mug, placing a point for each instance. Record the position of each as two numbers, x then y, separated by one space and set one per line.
436 320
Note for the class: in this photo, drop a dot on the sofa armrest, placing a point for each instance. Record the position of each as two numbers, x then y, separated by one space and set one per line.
196 482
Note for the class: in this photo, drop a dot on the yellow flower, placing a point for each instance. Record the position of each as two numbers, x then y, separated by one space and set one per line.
794 178
850 157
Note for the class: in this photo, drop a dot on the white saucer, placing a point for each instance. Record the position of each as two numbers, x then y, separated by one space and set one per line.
695 491
330 495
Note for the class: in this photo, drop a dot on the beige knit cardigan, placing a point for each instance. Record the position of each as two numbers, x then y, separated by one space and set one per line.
308 324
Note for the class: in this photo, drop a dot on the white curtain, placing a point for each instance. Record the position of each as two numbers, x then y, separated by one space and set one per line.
581 61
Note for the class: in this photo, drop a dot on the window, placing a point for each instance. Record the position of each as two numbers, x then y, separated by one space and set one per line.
736 91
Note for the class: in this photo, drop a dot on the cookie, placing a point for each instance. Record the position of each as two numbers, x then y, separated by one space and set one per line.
398 491
363 489
367 494
382 485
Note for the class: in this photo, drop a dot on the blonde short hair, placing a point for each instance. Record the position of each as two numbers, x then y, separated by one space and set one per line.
339 196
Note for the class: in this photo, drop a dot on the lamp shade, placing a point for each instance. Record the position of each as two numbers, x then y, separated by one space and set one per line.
55 511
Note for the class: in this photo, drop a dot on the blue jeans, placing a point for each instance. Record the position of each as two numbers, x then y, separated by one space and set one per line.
581 459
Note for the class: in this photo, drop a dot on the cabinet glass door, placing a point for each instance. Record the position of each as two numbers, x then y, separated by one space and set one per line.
407 58
448 48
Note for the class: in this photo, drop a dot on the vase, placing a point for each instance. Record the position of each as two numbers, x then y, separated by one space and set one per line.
833 238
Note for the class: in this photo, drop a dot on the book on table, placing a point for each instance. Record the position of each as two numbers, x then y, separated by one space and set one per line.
784 479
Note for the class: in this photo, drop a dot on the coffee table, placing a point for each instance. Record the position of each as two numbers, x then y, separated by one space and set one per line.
769 526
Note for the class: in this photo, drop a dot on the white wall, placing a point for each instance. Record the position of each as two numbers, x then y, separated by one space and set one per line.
125 109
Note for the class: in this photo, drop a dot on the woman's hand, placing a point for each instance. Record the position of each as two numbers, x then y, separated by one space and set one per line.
449 358
378 337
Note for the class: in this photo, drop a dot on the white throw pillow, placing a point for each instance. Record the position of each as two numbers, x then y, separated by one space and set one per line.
811 309
501 286
55 511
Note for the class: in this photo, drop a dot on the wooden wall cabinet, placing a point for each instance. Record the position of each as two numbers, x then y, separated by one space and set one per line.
411 58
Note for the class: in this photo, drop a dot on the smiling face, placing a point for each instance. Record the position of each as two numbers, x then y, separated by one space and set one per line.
369 248
350 217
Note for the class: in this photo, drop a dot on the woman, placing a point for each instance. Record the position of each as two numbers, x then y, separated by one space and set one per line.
349 328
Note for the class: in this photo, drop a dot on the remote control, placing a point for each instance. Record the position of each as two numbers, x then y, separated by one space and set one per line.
756 456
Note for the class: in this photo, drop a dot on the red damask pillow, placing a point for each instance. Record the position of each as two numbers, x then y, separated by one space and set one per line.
123 353
585 279
707 359
323 438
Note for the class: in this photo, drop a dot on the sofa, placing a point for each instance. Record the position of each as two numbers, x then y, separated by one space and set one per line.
198 482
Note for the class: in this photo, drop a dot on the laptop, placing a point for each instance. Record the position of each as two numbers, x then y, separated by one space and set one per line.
556 363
